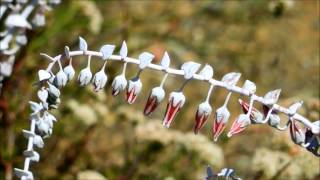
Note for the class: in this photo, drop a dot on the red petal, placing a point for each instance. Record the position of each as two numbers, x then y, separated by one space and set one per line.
171 112
150 106
218 128
131 96
236 128
200 121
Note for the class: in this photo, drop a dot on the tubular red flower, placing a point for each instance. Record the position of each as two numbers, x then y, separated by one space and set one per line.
176 101
202 115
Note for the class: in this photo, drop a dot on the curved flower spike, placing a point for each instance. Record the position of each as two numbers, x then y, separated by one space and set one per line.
123 50
118 84
231 78
176 101
83 44
145 59
156 96
133 90
206 72
221 119
202 115
165 61
190 68
107 51
239 124
249 86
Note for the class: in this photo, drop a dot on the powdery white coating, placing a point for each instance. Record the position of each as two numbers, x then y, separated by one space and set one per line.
207 72
294 107
135 84
145 59
158 92
249 86
231 78
274 120
85 76
124 50
177 97
83 46
204 109
17 20
271 97
222 115
42 95
37 140
190 68
107 51
61 79
119 83
43 75
165 61
69 71
53 90
99 80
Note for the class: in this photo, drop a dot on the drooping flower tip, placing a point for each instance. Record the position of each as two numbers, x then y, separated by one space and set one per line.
156 96
118 84
99 80
176 101
222 117
85 76
133 90
202 115
239 124
60 79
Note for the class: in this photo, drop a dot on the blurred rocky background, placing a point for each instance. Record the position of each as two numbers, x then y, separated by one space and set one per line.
273 43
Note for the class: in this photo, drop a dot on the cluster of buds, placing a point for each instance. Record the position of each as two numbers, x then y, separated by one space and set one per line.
226 173
15 15
49 96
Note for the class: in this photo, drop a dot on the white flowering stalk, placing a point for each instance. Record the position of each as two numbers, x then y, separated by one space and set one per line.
42 120
15 15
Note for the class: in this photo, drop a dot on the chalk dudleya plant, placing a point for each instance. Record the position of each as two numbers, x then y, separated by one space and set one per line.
42 120
17 21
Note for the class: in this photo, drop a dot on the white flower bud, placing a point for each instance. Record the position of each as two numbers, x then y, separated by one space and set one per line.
53 91
39 20
85 76
43 95
37 140
99 80
118 84
43 127
133 90
69 71
60 79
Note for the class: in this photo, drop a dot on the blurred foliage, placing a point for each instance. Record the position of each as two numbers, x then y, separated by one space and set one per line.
273 43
